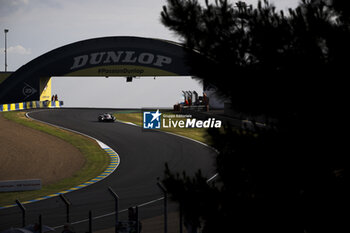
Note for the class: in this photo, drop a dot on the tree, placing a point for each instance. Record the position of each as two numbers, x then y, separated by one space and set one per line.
288 67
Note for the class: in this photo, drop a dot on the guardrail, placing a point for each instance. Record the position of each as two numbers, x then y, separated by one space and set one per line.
30 105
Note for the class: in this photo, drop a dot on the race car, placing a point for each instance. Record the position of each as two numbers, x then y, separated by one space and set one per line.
106 117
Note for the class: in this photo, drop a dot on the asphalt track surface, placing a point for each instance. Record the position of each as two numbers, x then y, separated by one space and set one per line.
142 158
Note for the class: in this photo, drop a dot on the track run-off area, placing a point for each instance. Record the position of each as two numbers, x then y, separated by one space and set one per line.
143 155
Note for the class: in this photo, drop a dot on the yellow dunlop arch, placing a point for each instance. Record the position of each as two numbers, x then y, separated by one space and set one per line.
45 89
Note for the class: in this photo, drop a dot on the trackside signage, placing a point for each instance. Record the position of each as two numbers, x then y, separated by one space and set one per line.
120 57
157 120
19 185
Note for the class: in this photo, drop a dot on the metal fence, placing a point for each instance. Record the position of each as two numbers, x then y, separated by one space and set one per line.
156 215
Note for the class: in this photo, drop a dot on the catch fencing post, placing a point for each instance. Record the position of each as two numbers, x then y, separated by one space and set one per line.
23 209
165 192
90 221
68 203
181 217
137 219
40 224
116 198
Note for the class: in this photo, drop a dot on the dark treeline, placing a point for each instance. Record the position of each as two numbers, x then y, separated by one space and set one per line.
287 66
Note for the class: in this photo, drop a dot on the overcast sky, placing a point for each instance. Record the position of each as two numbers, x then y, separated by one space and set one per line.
38 26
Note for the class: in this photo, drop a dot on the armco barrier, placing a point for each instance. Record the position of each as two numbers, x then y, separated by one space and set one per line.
30 105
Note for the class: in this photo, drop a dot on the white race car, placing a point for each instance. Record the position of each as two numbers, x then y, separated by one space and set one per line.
106 117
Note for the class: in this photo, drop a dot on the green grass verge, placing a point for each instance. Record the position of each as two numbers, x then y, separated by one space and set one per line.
199 134
96 160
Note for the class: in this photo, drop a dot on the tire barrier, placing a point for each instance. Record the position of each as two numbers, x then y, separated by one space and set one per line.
30 105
